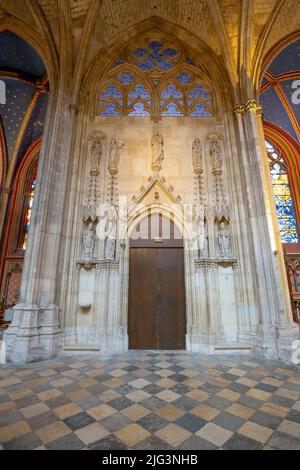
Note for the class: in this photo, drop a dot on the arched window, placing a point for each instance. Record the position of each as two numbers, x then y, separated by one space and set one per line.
283 195
154 78
29 195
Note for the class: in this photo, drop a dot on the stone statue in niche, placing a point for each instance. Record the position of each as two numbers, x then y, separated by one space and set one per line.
96 152
157 144
224 241
197 156
111 234
89 243
216 153
114 156
203 241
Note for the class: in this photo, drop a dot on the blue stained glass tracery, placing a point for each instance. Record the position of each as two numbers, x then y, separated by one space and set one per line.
171 91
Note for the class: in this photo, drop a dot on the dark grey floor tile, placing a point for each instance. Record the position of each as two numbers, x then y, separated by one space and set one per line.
153 443
27 442
228 421
282 441
196 443
27 401
191 422
152 403
68 442
266 387
152 422
10 417
239 442
279 400
249 401
294 415
185 403
115 422
217 402
120 403
266 419
79 421
108 443
42 420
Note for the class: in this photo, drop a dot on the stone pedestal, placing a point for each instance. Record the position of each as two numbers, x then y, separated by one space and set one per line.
35 333
276 342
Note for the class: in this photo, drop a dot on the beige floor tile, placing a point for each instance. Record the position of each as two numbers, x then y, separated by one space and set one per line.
21 394
166 383
49 394
110 395
14 430
138 395
173 434
135 412
236 371
61 382
258 394
283 392
168 395
117 373
132 434
170 412
206 412
52 431
296 406
256 432
273 409
47 373
10 381
7 406
247 382
65 411
228 394
34 410
198 395
101 411
193 383
215 434
35 382
91 433
78 395
88 382
240 410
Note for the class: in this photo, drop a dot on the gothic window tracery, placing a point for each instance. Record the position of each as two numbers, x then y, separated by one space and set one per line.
154 78
283 195
28 210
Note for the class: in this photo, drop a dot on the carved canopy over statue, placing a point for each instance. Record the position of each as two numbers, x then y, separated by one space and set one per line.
157 151
114 156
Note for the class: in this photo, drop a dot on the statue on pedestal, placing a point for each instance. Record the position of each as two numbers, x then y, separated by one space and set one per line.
197 156
114 156
157 152
96 152
224 241
111 234
89 243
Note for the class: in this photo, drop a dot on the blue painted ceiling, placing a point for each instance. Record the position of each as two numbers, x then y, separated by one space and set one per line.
21 69
277 110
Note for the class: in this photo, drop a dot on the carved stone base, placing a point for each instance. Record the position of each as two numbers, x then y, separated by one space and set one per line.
200 343
276 342
34 334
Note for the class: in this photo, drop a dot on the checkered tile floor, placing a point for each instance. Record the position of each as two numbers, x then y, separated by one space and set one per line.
150 400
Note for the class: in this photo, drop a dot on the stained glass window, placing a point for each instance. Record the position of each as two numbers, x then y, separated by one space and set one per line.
28 210
142 83
283 195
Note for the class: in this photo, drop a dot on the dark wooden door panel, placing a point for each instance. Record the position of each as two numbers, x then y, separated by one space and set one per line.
143 332
156 311
171 298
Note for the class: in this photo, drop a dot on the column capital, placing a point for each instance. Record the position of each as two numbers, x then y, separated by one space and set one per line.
249 106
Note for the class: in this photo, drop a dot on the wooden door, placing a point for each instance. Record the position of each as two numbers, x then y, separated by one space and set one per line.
156 316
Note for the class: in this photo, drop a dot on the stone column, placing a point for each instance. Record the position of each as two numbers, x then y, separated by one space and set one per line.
276 329
35 332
